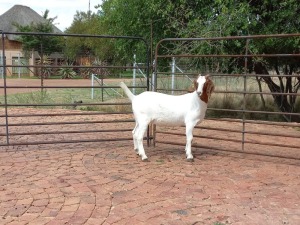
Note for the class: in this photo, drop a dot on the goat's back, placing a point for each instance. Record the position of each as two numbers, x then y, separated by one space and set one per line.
168 109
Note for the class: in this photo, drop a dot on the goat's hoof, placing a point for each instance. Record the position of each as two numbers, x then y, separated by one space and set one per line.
145 160
190 159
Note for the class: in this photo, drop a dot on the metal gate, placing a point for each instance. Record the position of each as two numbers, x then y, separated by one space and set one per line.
56 111
19 70
244 114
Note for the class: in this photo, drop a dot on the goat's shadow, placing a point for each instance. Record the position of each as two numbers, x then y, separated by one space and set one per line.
171 153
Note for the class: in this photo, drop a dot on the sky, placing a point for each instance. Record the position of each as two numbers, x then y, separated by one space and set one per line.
63 9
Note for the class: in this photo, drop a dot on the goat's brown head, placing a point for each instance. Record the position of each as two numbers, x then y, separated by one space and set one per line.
206 87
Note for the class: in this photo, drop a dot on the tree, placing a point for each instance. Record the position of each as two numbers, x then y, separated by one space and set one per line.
42 44
92 24
223 18
279 17
134 18
158 19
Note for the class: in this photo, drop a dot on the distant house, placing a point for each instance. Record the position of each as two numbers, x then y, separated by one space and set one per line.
21 15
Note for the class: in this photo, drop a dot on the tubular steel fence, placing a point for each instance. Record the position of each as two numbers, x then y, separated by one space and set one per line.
248 112
49 111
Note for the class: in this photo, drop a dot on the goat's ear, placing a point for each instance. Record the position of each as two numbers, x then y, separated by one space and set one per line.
210 87
207 76
193 87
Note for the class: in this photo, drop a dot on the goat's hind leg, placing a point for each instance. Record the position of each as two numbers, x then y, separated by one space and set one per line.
139 136
135 142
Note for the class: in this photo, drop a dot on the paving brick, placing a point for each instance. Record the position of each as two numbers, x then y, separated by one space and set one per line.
93 221
71 201
17 223
40 202
17 211
70 208
64 215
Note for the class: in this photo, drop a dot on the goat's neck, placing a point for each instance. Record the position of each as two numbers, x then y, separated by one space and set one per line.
203 98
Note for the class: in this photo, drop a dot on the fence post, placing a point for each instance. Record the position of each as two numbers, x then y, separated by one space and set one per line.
19 64
5 87
153 77
134 73
244 94
1 65
92 90
173 74
102 94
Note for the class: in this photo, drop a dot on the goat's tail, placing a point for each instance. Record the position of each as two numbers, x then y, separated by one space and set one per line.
127 91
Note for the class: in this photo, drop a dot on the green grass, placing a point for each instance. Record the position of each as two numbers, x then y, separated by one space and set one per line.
220 101
36 97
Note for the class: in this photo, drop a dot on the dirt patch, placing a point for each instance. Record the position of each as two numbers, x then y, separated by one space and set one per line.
46 82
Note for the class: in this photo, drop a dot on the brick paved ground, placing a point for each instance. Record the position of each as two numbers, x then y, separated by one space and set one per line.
105 183
97 183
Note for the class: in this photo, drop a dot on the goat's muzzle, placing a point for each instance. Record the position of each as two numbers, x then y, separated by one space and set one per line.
199 93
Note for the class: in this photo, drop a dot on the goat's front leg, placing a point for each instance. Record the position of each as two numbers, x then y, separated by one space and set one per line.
189 138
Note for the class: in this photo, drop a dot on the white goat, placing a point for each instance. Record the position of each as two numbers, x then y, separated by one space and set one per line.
187 109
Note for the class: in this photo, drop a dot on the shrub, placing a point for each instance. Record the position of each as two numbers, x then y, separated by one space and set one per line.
66 72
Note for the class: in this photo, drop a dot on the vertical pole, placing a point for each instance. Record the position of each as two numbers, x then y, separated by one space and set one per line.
153 76
102 95
1 63
154 82
5 87
19 64
92 89
42 69
173 74
244 95
148 84
134 74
